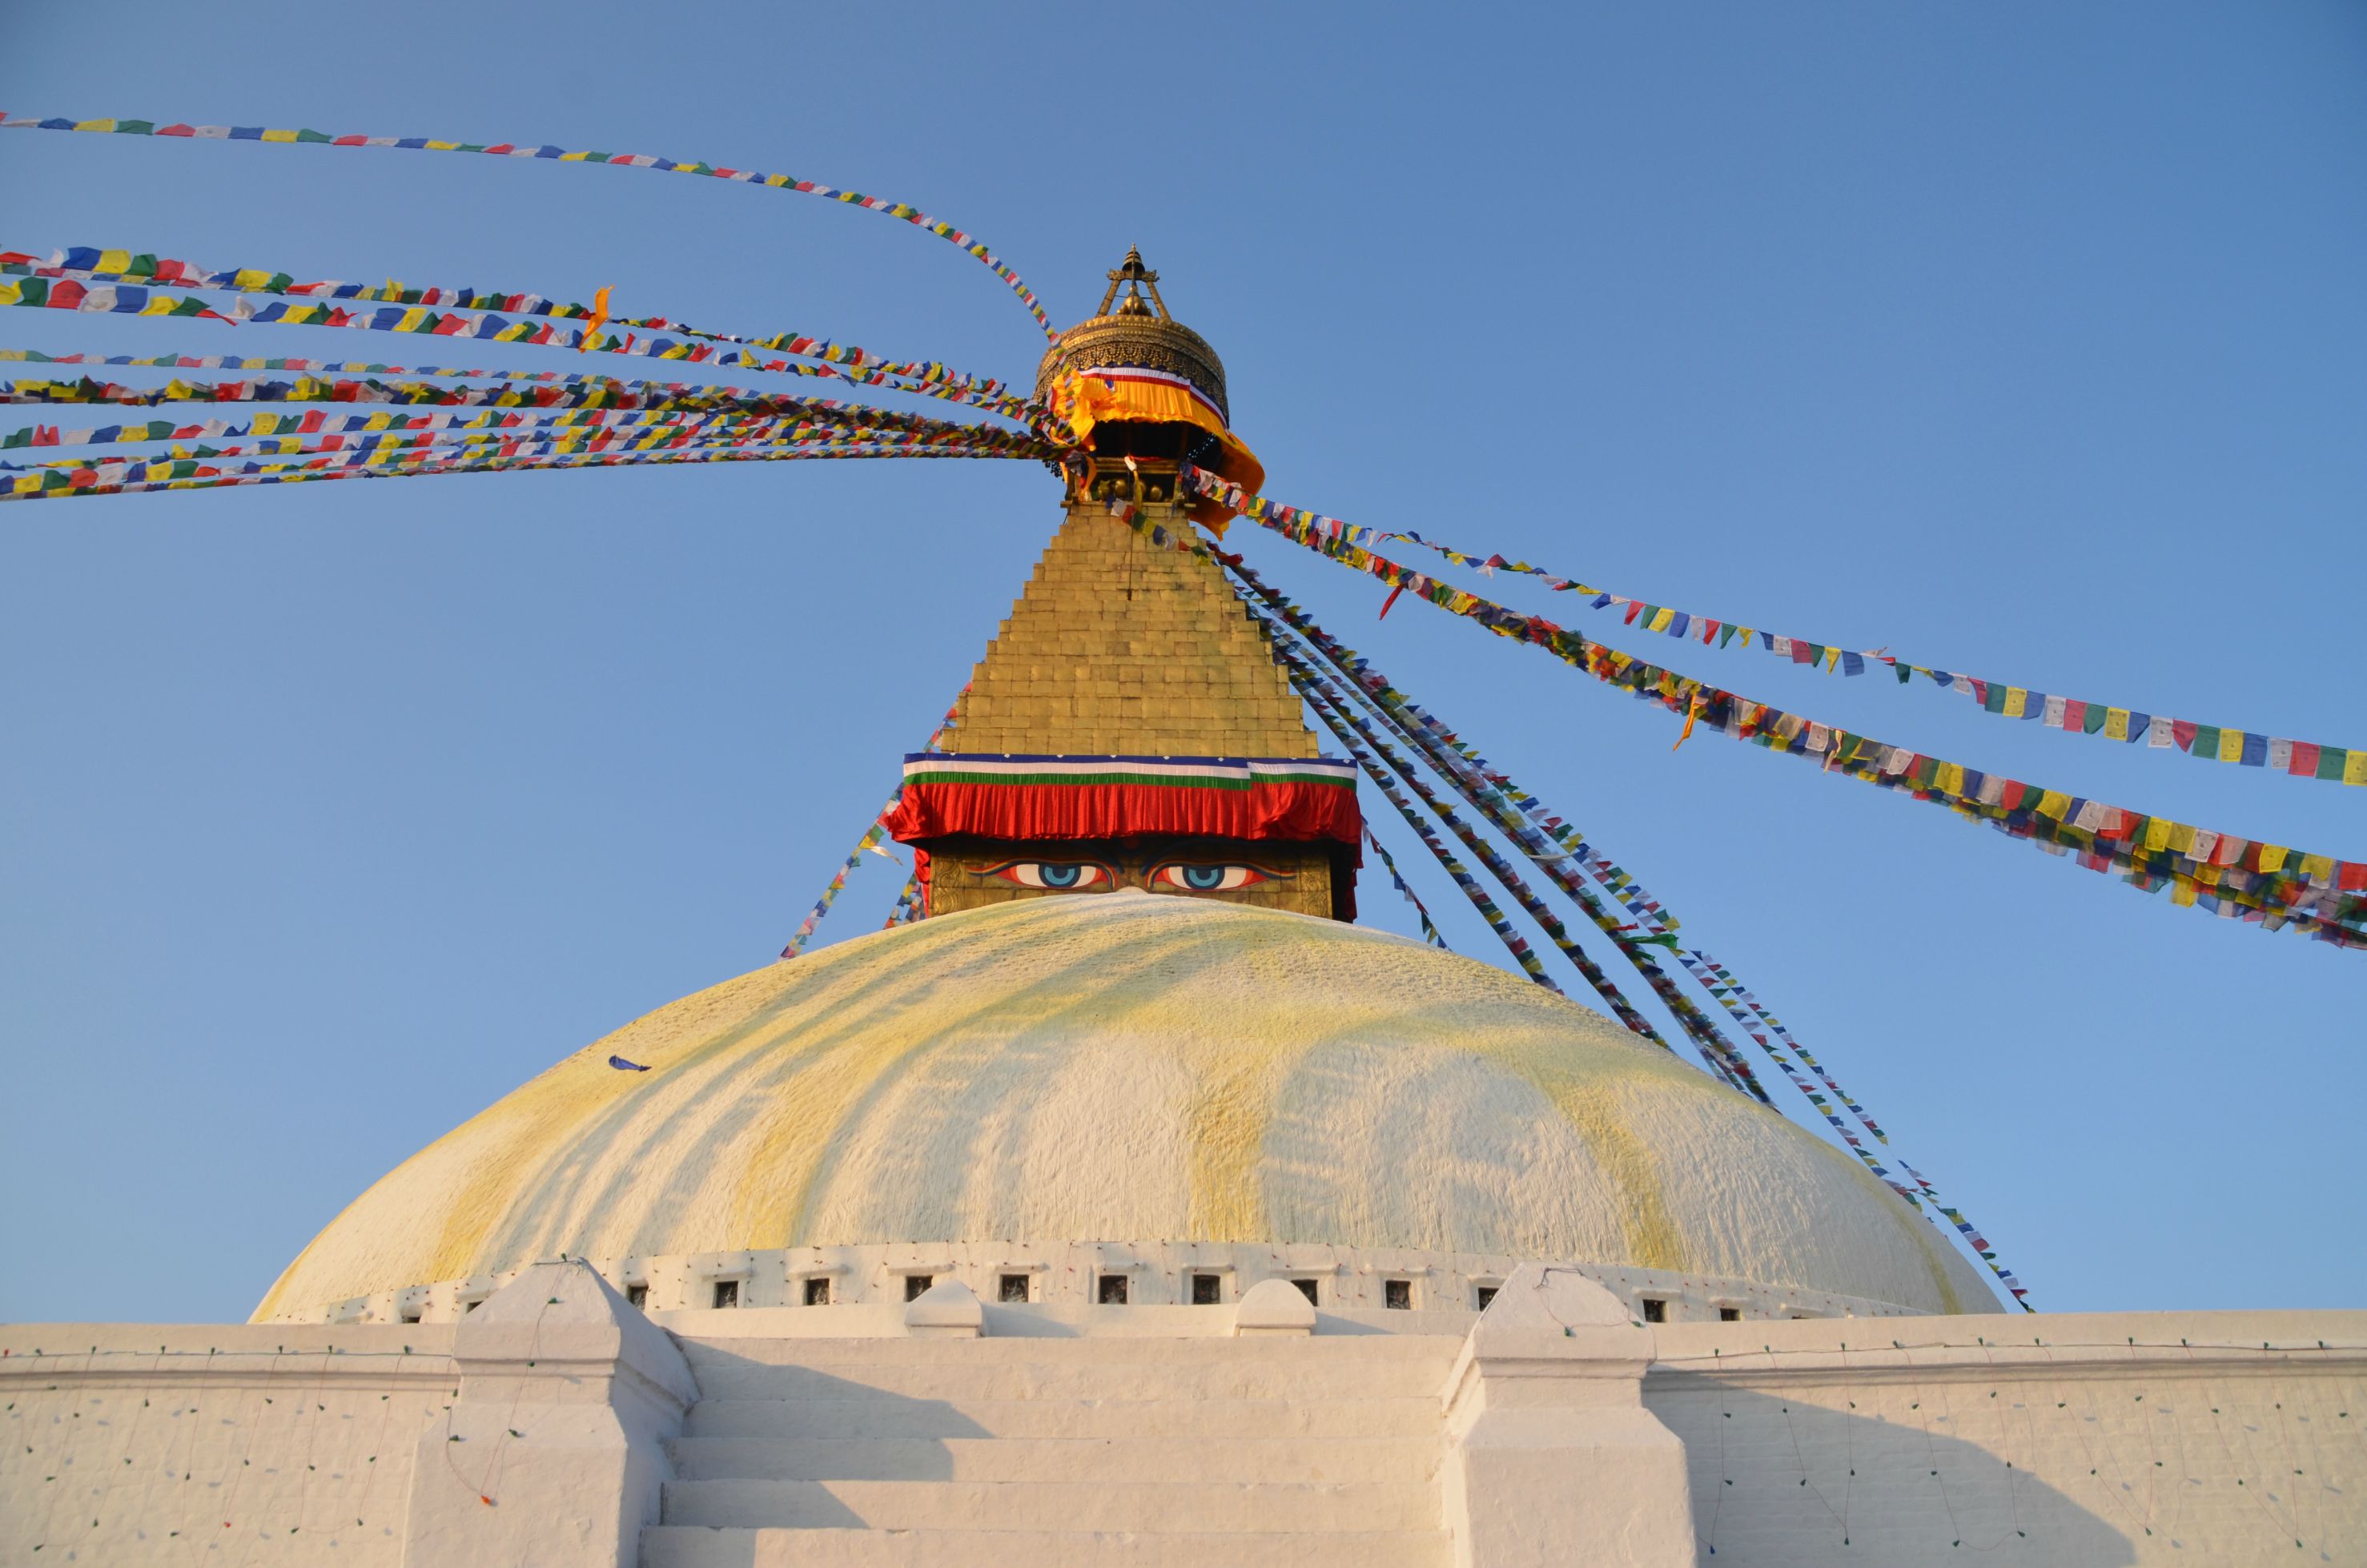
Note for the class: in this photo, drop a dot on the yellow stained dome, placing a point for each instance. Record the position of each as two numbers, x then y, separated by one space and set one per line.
1131 1067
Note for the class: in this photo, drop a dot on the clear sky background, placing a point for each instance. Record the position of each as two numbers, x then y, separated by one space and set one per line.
2025 340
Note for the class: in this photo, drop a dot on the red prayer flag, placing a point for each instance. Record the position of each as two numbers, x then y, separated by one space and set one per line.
2305 760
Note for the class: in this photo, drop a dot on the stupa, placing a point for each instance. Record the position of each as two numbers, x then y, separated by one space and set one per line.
1138 1052
1135 1206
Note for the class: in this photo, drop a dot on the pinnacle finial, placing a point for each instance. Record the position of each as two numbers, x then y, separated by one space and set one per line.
1133 277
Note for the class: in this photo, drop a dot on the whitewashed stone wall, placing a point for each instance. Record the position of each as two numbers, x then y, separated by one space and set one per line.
2155 1437
130 1443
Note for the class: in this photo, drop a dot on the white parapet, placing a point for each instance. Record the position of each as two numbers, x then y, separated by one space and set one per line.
1552 1458
554 1451
1423 1291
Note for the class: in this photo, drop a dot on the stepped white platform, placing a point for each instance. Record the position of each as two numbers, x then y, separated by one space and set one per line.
1070 1451
559 1424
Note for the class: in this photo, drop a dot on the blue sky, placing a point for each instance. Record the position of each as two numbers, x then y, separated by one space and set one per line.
2023 341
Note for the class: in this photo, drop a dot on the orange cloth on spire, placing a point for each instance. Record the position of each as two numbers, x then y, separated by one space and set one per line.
1124 393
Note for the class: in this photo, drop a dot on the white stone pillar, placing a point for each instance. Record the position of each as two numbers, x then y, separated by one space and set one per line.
554 1451
1552 1458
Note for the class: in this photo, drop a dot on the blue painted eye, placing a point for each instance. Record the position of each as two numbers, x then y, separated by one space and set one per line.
1209 879
1054 876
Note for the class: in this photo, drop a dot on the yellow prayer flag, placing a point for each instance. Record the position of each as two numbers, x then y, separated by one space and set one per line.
2181 836
2016 700
280 136
100 125
2354 767
1832 657
2157 834
2053 804
411 318
115 261
2272 856
2317 868
2231 746
2116 723
1660 619
2181 893
1952 778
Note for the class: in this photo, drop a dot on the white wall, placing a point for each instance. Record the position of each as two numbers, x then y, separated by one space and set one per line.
2028 1439
278 1445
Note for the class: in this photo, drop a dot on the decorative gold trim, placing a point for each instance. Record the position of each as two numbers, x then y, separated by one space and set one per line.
1133 335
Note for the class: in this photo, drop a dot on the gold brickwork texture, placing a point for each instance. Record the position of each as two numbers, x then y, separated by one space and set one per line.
1119 647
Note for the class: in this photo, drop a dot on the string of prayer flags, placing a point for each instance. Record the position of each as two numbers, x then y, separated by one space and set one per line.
592 392
1417 724
1746 1021
2301 759
910 214
2223 873
1538 835
89 264
800 425
1457 872
37 293
1321 693
429 451
633 433
872 838
188 474
315 367
907 903
1745 1009
1482 795
1420 911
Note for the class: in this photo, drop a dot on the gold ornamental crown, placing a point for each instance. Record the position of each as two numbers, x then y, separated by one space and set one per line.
1136 331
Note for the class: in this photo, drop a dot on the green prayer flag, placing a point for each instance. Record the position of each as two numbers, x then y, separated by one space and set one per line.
2330 760
1993 698
2206 741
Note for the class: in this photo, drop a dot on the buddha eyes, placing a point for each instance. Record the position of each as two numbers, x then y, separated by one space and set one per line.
1077 876
1060 876
1209 878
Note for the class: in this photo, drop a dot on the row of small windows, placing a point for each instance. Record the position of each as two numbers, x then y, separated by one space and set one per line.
1111 1290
